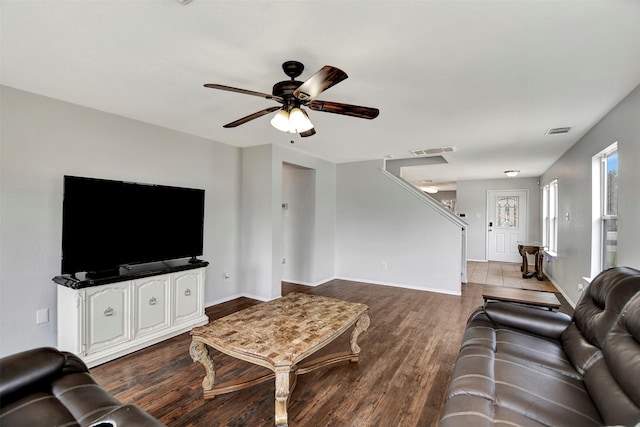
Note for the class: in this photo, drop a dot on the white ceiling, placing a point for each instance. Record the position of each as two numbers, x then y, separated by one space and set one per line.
488 77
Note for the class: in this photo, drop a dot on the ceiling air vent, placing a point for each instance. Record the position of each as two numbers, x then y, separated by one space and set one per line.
433 151
556 131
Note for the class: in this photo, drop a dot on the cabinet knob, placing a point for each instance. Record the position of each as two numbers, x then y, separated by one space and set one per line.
187 292
153 301
109 312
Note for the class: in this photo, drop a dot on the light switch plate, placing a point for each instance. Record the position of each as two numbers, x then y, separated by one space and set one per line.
42 316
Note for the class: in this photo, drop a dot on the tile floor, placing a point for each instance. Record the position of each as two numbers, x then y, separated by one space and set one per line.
505 274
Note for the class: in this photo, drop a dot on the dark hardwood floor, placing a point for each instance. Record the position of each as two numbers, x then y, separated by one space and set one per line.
407 356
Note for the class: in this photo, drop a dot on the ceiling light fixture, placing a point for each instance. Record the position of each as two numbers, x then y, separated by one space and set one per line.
294 121
512 173
430 190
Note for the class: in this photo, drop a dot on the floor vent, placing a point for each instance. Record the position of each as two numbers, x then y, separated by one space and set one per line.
433 151
556 131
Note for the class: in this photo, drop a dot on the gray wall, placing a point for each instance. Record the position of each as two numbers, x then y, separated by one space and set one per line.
263 229
574 174
298 221
43 139
472 201
322 255
386 235
256 227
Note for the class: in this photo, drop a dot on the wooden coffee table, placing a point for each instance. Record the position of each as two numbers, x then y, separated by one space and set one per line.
278 335
521 296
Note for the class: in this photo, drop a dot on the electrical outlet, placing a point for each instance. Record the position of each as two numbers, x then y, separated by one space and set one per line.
384 265
580 287
225 276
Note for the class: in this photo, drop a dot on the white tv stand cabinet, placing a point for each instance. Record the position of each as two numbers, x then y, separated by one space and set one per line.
102 319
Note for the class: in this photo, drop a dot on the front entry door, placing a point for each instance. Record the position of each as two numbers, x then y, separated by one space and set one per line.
506 224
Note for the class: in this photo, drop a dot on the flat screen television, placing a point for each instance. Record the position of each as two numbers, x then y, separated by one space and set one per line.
107 224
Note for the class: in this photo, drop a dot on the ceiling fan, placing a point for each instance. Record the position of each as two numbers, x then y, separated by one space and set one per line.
294 94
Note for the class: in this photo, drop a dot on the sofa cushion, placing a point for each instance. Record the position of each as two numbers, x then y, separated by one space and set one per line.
83 397
473 411
614 381
540 322
37 409
520 387
603 300
581 353
25 372
512 343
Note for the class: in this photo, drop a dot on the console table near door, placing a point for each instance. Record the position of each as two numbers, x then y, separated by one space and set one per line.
532 248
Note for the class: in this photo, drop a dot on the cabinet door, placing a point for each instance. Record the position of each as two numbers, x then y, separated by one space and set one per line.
107 310
151 297
188 295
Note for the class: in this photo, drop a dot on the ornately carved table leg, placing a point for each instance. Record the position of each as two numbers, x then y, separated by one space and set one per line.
283 381
361 326
525 265
199 353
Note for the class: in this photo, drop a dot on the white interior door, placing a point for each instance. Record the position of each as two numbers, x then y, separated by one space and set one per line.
506 224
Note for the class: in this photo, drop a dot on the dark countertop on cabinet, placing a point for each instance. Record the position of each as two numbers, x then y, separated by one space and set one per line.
131 273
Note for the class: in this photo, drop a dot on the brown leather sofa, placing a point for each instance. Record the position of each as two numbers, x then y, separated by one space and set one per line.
524 366
46 387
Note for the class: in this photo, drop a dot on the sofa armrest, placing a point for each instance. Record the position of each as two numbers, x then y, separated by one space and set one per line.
128 415
24 372
541 322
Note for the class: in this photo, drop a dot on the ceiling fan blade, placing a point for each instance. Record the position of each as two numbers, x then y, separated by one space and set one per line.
245 91
345 109
322 80
307 133
251 117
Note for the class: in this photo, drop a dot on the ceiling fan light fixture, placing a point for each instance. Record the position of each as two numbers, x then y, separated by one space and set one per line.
512 173
294 121
281 120
299 121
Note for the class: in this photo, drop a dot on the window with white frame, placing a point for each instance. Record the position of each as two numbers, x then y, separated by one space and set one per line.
608 207
550 216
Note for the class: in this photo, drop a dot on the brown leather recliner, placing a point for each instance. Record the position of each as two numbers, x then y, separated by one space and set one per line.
525 366
46 387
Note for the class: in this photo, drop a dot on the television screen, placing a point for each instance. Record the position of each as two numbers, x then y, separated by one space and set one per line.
106 224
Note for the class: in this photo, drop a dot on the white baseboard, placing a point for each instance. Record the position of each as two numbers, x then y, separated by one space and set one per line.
257 297
351 279
477 260
564 294
302 282
402 285
235 296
